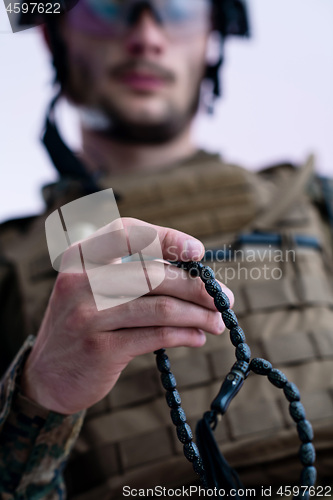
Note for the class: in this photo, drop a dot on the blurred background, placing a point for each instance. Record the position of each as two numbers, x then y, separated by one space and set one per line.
277 100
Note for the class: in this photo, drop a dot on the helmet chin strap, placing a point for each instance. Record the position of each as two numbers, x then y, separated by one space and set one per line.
67 164
94 119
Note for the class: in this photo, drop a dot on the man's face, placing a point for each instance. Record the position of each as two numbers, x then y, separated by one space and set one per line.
145 77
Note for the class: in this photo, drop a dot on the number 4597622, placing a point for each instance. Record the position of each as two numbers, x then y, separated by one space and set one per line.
32 7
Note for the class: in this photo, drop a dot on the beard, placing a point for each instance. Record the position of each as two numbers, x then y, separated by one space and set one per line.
143 131
106 118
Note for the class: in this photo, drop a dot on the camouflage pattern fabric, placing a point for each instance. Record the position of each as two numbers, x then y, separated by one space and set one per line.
34 442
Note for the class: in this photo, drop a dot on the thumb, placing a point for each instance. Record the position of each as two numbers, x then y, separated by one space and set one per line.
176 245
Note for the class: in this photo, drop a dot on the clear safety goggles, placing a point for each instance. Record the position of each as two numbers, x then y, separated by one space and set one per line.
179 18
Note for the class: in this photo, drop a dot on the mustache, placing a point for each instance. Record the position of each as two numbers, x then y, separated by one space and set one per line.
142 67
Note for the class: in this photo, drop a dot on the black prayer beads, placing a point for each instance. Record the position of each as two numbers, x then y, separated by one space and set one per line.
178 416
233 382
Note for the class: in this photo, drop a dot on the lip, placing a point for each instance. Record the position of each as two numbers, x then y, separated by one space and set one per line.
141 81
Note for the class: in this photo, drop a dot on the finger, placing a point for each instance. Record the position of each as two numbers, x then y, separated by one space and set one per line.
111 243
178 283
138 341
74 289
125 237
108 243
176 245
131 279
159 311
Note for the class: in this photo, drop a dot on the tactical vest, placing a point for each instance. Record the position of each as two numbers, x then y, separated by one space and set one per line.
267 240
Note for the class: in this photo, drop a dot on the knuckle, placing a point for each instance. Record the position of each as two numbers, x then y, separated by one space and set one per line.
128 220
138 306
164 334
77 319
163 307
64 284
97 343
157 274
71 260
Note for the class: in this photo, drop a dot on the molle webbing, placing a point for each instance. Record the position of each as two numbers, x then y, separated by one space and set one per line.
196 198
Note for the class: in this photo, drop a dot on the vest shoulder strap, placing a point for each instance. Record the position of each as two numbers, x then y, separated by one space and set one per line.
290 186
321 193
13 228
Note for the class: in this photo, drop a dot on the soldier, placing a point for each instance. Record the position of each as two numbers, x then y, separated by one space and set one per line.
84 381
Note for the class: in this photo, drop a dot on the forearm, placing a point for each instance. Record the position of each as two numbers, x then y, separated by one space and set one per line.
34 442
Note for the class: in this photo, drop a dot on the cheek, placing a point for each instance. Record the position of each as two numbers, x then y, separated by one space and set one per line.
87 61
197 58
191 70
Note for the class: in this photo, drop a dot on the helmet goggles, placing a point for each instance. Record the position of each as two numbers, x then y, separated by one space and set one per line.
179 18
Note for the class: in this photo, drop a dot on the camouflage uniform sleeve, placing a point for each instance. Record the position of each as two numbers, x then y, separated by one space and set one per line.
34 442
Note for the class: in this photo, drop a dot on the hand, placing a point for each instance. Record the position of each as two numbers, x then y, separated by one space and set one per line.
80 352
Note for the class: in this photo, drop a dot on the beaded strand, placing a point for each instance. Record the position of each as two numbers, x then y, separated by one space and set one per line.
178 416
233 383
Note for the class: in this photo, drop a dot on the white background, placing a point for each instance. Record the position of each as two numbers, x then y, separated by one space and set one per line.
277 103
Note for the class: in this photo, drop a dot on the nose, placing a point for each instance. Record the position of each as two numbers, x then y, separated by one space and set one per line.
146 35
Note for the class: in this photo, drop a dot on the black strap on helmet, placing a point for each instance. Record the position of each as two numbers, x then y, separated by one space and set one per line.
230 17
67 164
59 52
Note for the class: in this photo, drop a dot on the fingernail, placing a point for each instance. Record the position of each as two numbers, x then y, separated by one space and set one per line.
193 249
202 336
